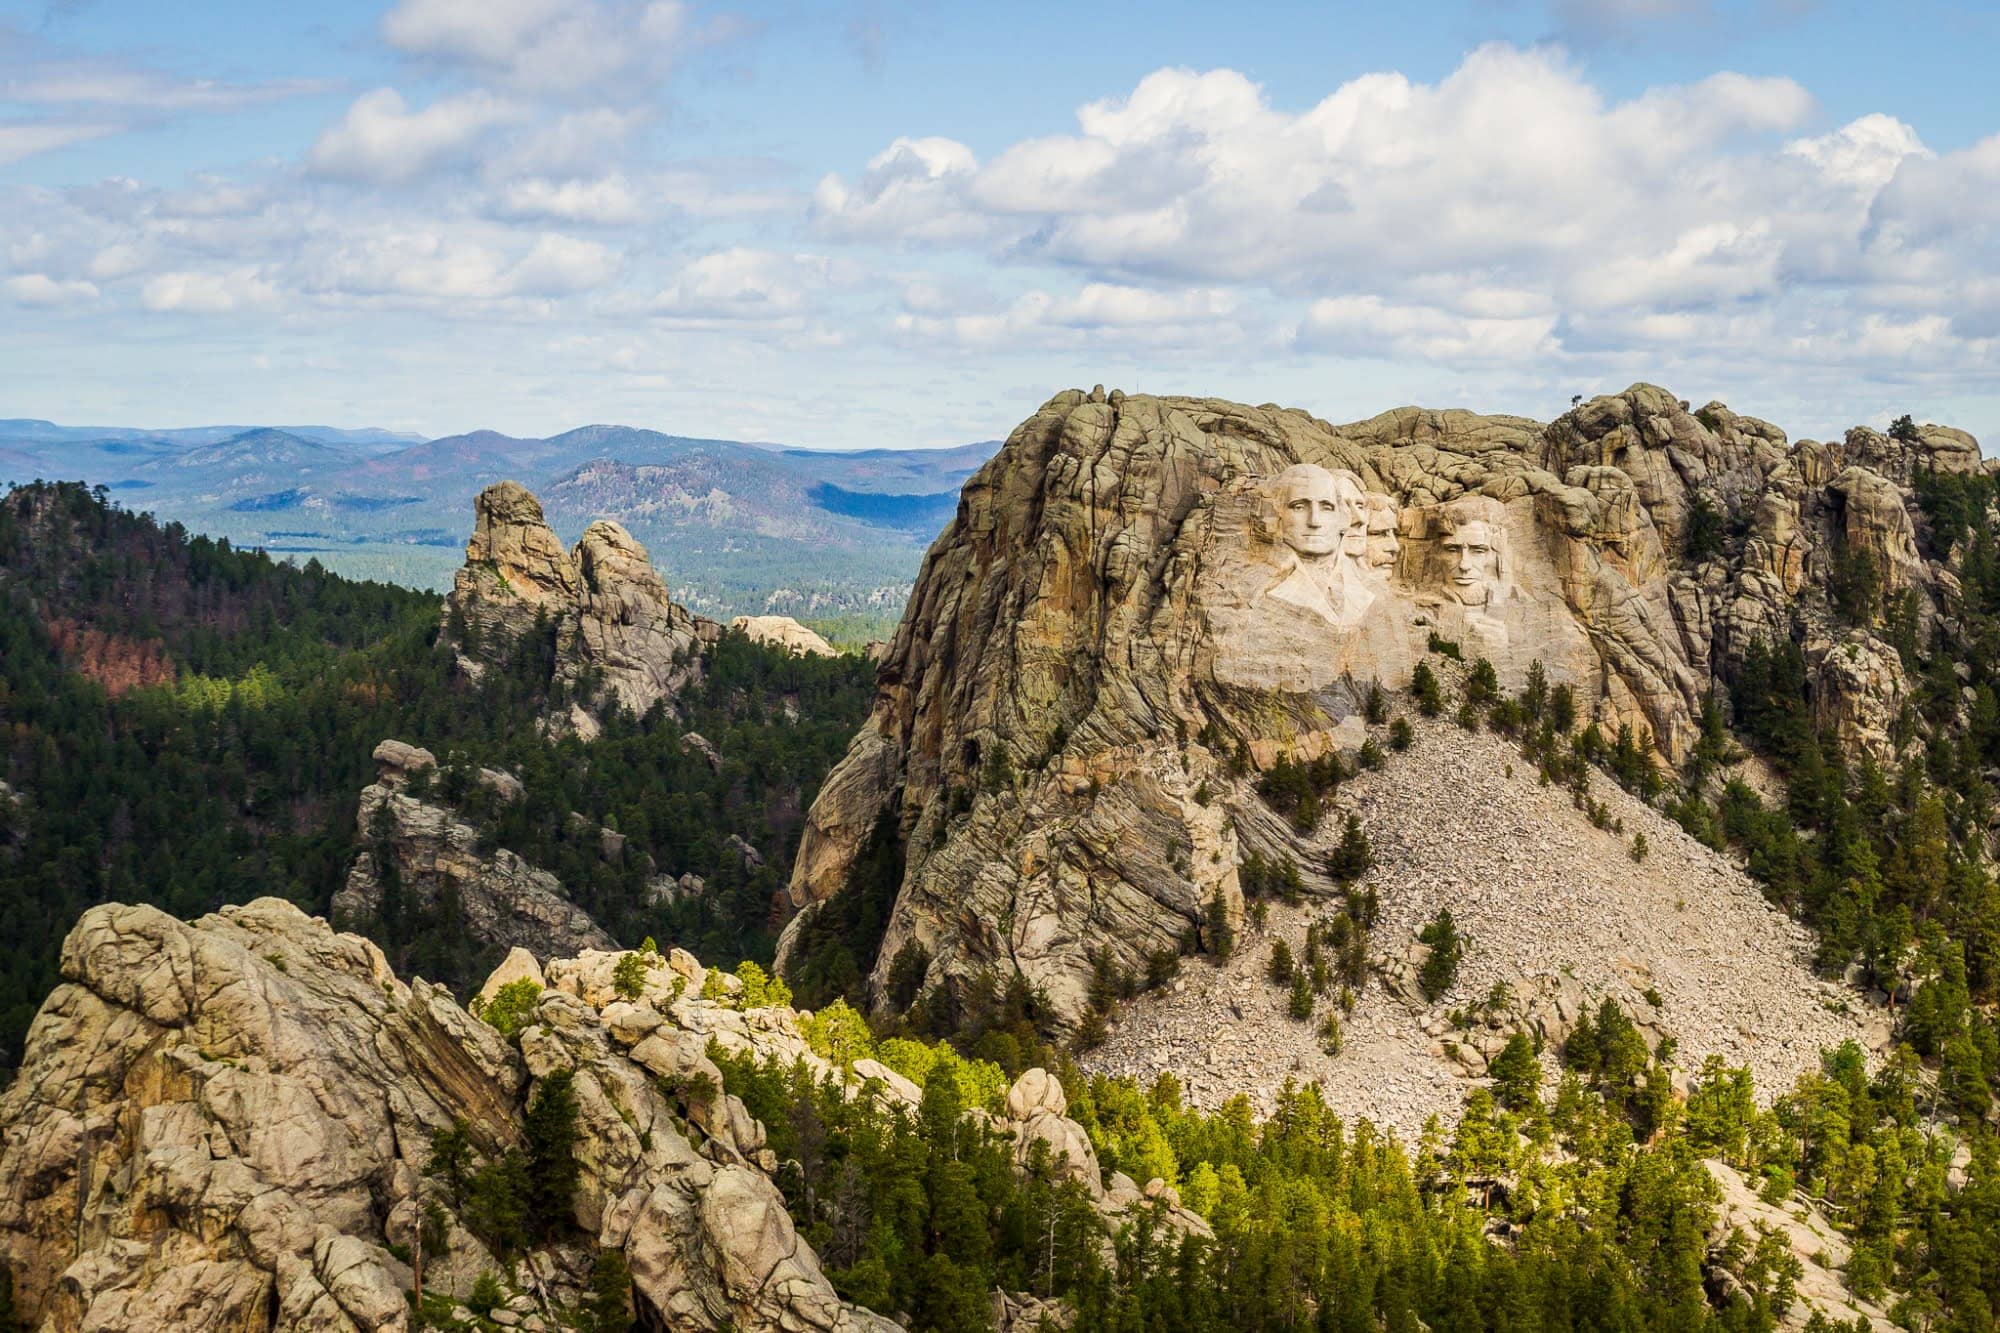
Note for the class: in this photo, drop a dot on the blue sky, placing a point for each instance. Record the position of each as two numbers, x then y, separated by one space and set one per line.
898 224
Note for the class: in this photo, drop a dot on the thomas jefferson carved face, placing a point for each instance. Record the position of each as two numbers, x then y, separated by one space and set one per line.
1472 561
1312 511
1381 544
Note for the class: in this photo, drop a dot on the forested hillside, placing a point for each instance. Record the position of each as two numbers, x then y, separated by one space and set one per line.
188 724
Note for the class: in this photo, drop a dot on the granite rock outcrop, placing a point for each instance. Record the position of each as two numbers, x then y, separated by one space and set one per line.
784 632
228 1124
1139 597
431 849
615 636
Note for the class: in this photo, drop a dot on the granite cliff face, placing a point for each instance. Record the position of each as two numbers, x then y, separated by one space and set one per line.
227 1124
615 635
503 901
1139 597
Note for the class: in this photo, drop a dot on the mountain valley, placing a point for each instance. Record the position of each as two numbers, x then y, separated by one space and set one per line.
1439 871
831 536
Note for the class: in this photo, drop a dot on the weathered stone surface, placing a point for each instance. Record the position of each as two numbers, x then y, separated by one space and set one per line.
226 1124
1876 519
629 631
1815 1242
209 1117
504 900
784 632
518 965
513 545
1137 589
1861 688
607 609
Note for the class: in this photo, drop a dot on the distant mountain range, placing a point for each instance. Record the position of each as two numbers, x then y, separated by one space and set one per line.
739 528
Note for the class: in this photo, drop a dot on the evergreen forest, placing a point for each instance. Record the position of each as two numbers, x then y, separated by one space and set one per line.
188 724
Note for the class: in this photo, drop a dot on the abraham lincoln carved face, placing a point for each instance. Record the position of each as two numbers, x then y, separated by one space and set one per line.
1477 570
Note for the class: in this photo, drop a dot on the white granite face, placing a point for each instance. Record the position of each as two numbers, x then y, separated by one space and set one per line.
1322 527
1313 580
1312 511
1380 544
1477 568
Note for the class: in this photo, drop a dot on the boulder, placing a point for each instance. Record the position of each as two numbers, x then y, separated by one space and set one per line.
518 965
699 744
396 761
898 1087
1035 1091
784 632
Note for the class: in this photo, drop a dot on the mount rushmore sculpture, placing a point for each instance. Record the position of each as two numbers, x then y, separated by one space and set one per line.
1315 582
1139 593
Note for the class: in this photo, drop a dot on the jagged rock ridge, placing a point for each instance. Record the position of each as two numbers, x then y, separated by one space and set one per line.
226 1124
612 624
503 901
1123 603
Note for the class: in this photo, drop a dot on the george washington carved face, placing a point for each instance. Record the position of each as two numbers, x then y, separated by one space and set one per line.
1312 510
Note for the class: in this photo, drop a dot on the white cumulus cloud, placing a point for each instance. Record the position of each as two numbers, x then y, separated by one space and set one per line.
744 283
592 48
208 292
39 289
381 141
606 201
1099 310
433 266
1510 211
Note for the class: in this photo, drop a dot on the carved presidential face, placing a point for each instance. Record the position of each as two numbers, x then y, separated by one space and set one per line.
1472 562
1381 545
1312 512
1354 539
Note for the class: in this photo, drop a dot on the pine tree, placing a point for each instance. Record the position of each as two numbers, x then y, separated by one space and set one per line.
609 1307
1482 686
1221 935
1353 858
1447 947
1516 1074
1302 999
1424 689
1280 967
550 1134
